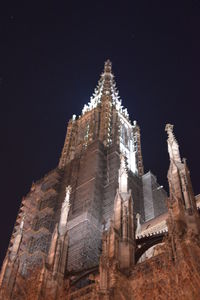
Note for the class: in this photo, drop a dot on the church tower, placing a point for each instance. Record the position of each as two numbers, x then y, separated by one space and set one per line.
90 161
99 183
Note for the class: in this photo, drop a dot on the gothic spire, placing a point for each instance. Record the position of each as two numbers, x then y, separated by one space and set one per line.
106 87
180 185
173 147
108 66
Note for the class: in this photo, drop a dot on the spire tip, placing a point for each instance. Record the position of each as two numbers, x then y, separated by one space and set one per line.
169 128
107 66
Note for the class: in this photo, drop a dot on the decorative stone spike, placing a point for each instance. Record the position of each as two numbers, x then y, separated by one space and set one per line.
173 147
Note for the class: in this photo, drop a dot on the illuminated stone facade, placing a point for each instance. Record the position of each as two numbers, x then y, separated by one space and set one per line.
97 227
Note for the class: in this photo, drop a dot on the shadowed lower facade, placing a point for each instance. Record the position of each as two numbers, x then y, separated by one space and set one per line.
97 227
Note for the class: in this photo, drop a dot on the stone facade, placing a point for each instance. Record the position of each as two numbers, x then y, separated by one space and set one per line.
97 227
154 197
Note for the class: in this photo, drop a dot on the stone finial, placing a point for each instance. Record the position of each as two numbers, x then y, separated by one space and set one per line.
169 128
173 147
107 66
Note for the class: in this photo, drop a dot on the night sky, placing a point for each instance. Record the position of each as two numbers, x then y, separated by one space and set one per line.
51 56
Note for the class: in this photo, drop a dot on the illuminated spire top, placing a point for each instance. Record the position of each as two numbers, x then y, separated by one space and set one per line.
107 66
106 87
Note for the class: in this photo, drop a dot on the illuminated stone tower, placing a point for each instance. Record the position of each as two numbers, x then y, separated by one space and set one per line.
58 231
91 159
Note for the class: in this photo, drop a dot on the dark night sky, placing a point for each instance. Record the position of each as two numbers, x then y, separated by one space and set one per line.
51 57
